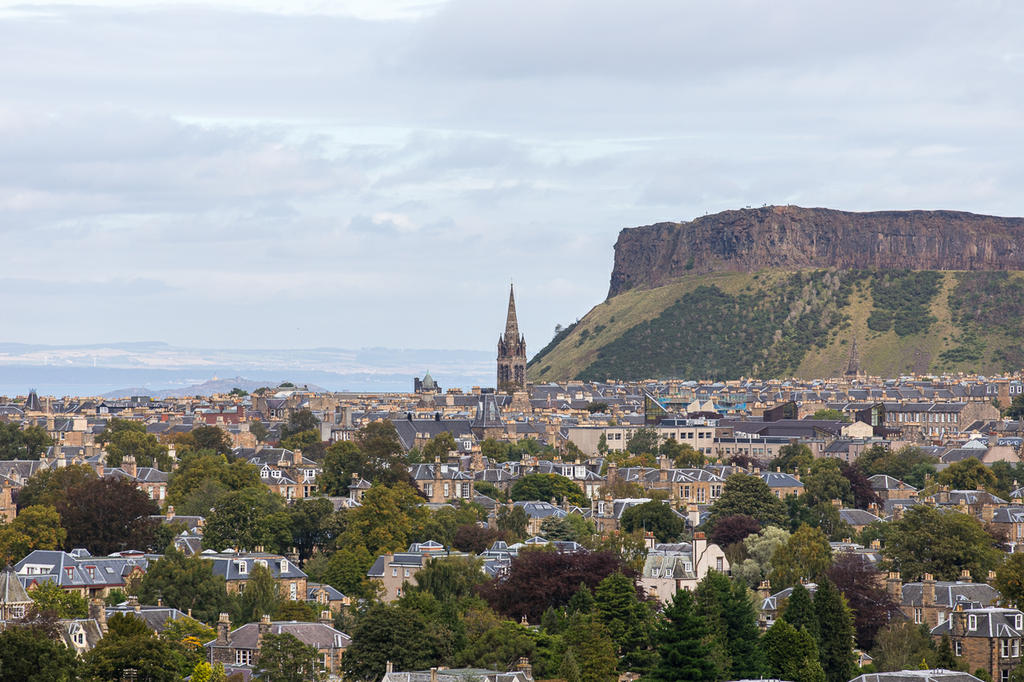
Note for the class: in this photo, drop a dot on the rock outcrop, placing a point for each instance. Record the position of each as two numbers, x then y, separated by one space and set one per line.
791 237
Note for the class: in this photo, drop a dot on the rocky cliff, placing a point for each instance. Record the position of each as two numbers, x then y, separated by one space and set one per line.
790 237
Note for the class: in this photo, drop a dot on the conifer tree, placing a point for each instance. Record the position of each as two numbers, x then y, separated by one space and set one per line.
711 599
592 647
835 633
582 601
800 611
680 638
791 654
741 624
623 614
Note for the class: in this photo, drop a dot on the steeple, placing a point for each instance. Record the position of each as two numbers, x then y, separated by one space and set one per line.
511 323
853 364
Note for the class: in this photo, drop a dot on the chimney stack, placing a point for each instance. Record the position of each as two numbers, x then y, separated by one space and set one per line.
98 612
223 628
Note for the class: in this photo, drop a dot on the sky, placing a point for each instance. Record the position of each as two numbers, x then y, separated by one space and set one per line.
309 173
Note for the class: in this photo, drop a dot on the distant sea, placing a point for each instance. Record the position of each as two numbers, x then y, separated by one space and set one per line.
158 369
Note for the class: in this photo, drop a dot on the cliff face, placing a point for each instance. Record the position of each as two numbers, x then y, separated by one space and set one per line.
791 237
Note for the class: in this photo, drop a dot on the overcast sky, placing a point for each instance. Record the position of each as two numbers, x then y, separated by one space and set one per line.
301 173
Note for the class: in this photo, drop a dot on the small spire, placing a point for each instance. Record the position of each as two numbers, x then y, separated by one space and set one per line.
511 322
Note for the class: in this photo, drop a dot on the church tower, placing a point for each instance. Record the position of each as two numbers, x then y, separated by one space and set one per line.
511 352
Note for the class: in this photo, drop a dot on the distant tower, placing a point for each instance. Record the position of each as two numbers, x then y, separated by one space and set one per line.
511 351
853 365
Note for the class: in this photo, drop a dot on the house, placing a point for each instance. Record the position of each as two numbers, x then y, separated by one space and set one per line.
326 597
155 617
392 571
236 569
782 484
987 637
889 488
670 568
14 599
936 675
78 571
522 673
930 602
241 647
442 483
773 605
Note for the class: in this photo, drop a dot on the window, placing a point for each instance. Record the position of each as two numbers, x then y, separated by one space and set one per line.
918 616
958 648
1017 621
1004 675
394 571
1004 648
654 573
1014 648
293 591
79 638
243 656
446 489
18 611
718 564
428 489
243 567
284 565
972 622
407 573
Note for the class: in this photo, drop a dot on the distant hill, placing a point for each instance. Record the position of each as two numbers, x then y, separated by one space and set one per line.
206 388
785 291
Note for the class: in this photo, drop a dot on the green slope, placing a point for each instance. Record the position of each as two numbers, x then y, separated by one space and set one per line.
796 323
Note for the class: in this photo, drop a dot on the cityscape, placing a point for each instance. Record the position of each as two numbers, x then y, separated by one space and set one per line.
448 341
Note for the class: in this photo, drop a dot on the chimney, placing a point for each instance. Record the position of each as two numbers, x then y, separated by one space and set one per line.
928 590
297 457
98 612
389 668
894 585
523 666
965 575
263 629
133 602
433 675
170 512
700 544
128 464
764 590
876 544
325 618
223 628
991 576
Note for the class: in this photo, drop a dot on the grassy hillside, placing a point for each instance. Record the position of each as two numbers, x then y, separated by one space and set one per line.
796 323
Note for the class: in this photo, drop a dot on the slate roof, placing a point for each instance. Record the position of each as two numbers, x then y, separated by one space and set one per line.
992 622
155 617
937 675
11 589
317 635
857 517
948 593
457 675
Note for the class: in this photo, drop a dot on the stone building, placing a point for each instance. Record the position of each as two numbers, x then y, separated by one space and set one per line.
241 647
511 352
987 637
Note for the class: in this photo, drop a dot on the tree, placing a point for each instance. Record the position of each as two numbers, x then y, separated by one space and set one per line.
746 494
262 596
968 474
259 430
450 578
655 517
125 648
185 583
538 579
308 442
683 455
346 571
800 611
388 519
872 605
204 439
680 644
826 482
439 446
497 647
299 421
791 654
760 549
283 658
390 633
107 515
909 464
1010 579
592 647
1016 408
828 414
806 554
49 486
512 521
943 543
187 636
17 443
863 494
49 596
545 487
732 626
793 458
246 519
310 522
29 654
122 438
835 633
901 645
624 615
644 441
732 529
35 527
202 478
474 538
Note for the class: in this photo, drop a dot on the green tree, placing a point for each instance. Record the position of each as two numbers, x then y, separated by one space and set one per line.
1010 579
909 464
625 616
439 446
512 521
498 647
1016 408
262 596
593 648
246 519
310 521
644 441
128 649
283 658
545 487
968 474
571 527
800 611
655 517
202 478
760 548
35 527
825 483
901 645
17 443
746 494
943 543
299 421
793 457
828 414
30 654
346 569
50 486
450 578
680 636
582 601
259 430
791 654
683 455
390 633
48 596
835 633
187 636
204 439
185 583
806 554
123 438
388 520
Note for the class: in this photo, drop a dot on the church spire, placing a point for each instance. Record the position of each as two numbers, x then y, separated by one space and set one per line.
511 322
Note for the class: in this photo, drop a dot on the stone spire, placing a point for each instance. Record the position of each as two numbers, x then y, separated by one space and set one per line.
853 365
511 322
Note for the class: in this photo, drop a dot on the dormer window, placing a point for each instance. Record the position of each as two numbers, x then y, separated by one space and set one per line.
972 622
78 638
243 567
275 474
284 565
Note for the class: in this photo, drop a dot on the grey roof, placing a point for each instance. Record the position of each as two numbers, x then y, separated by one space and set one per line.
457 675
886 482
991 622
937 675
239 566
11 589
155 617
318 635
949 593
857 517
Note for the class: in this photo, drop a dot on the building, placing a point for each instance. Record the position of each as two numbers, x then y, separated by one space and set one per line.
393 571
511 352
987 637
241 647
236 569
937 675
670 568
522 673
930 602
14 600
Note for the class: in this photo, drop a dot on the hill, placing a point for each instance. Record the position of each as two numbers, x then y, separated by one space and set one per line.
785 291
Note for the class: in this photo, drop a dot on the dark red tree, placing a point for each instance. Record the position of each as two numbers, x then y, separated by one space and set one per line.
863 494
539 579
470 537
107 515
734 528
860 583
